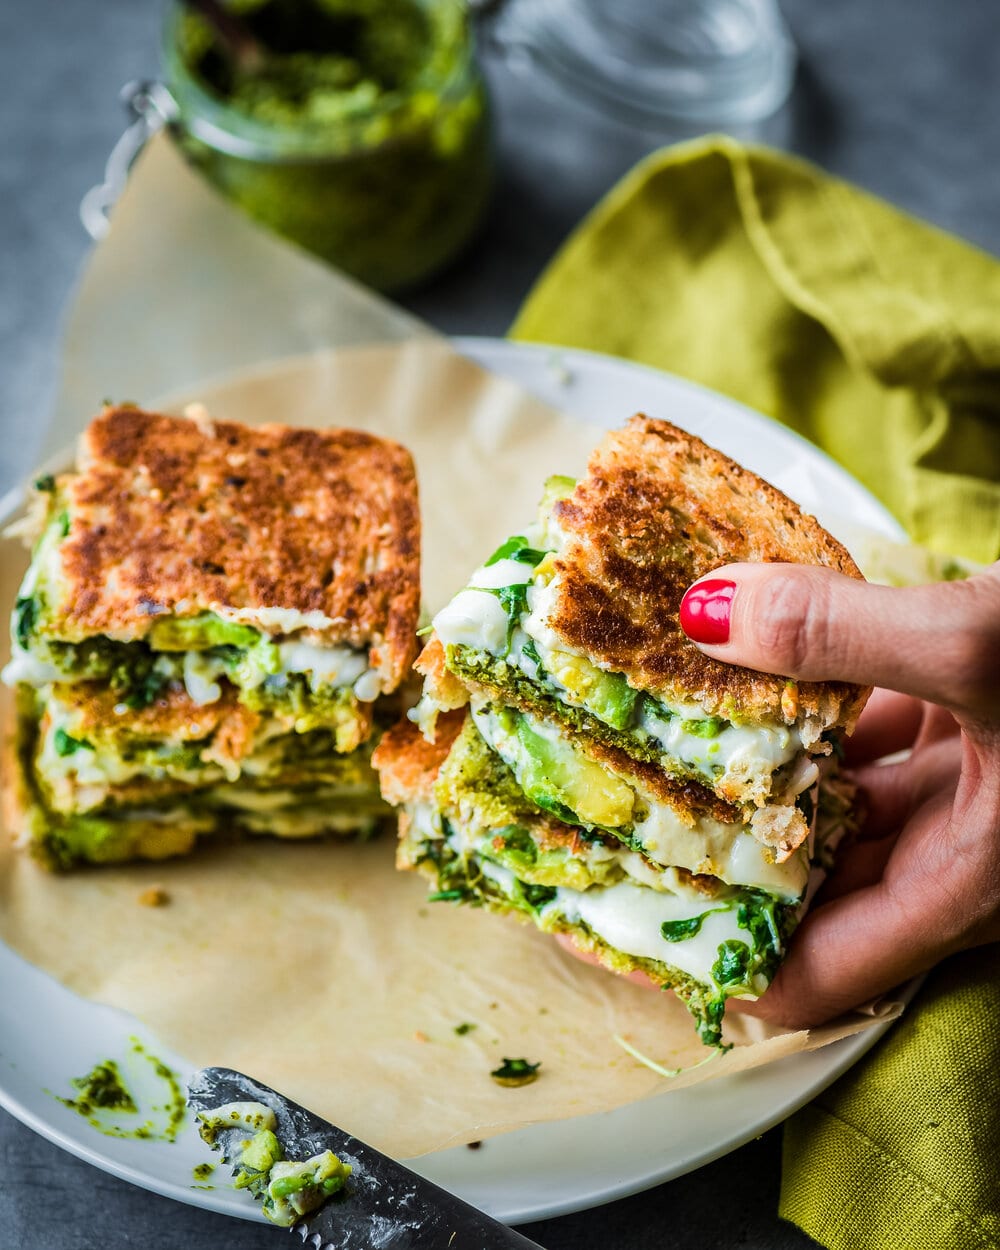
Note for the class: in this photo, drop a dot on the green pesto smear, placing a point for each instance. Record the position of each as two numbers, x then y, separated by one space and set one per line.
201 1172
103 1098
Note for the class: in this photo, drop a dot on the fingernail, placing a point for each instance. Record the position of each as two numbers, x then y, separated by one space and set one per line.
705 611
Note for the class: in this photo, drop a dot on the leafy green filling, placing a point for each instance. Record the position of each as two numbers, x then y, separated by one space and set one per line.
738 965
25 620
517 548
65 744
514 1072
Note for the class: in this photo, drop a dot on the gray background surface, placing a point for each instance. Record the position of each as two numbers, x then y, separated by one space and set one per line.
900 96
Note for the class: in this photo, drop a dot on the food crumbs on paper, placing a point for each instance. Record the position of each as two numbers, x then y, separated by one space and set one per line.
420 1036
202 1171
515 1072
155 896
474 1145
463 1028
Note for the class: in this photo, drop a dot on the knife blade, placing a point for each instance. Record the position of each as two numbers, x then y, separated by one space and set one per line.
384 1205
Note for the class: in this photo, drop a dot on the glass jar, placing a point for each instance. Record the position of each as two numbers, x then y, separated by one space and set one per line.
387 179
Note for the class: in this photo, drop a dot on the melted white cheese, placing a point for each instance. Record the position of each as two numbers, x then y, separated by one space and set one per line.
502 573
200 672
628 918
273 620
27 668
334 666
474 619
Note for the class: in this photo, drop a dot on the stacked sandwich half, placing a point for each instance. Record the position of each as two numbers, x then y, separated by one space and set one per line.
211 626
577 761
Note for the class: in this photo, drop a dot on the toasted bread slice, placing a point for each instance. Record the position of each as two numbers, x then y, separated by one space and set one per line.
407 764
657 510
282 529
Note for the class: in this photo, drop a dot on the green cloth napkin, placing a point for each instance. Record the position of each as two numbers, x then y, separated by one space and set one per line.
873 334
878 337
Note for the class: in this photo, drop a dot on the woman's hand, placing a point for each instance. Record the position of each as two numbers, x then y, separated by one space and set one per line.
922 880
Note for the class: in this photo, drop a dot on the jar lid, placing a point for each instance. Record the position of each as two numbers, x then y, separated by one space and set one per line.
713 62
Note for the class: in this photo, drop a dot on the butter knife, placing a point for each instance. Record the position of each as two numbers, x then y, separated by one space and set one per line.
383 1206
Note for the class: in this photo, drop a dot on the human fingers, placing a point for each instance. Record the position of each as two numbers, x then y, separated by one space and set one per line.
927 903
857 866
846 952
891 792
940 642
888 724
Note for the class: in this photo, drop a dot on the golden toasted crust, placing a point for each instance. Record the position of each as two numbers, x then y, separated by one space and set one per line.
15 792
687 798
440 683
175 515
657 510
407 764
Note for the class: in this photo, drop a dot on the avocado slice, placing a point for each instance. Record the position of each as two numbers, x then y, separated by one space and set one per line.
560 780
199 633
611 699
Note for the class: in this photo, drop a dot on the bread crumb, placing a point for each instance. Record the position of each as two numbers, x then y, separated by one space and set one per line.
202 418
420 1036
155 896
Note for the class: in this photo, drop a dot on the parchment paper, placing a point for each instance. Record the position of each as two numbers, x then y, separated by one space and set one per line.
316 967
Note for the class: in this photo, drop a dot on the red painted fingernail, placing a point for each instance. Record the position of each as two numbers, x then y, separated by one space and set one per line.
705 611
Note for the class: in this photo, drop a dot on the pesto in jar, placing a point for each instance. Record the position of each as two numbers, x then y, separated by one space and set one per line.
364 136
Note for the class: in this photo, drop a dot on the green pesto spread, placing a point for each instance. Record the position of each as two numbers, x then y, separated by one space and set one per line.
363 136
103 1096
102 1088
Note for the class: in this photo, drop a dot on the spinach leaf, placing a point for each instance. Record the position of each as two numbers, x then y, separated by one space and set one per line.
516 1072
537 896
67 745
46 482
144 689
731 970
517 548
25 620
655 708
708 1015
679 930
758 914
531 651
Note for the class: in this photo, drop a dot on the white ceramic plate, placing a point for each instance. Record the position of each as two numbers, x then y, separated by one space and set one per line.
47 1033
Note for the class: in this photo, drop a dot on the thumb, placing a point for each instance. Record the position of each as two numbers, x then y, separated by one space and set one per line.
939 642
